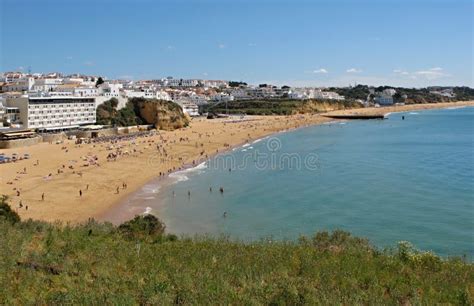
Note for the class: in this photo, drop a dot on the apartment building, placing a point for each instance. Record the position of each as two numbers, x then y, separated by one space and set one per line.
54 112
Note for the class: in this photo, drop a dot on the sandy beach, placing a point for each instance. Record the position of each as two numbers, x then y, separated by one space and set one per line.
79 181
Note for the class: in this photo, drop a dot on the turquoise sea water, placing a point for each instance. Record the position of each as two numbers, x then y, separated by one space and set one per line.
387 180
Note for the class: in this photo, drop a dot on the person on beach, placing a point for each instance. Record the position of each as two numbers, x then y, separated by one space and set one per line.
80 192
189 193
21 204
87 187
42 196
118 190
221 190
225 214
18 193
210 189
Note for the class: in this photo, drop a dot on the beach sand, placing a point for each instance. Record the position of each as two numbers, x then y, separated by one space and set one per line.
143 162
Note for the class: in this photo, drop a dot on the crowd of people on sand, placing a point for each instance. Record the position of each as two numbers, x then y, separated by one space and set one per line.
157 144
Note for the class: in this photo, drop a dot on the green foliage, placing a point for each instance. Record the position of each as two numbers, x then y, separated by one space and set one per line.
142 226
6 213
236 84
136 263
99 81
127 116
407 95
357 92
107 111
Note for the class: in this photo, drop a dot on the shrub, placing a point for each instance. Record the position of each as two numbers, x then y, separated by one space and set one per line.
6 213
142 227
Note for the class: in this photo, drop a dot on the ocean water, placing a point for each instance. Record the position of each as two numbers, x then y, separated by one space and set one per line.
387 180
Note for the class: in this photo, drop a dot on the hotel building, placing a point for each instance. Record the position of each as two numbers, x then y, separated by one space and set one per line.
49 113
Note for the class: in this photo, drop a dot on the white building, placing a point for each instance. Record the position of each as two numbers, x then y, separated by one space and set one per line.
21 84
110 89
383 100
215 83
54 112
148 94
86 91
180 82
45 85
222 97
189 107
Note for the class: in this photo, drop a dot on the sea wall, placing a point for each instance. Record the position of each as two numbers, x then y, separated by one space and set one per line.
96 133
17 143
54 137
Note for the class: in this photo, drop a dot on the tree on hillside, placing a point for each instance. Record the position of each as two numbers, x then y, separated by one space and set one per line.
107 111
100 80
236 84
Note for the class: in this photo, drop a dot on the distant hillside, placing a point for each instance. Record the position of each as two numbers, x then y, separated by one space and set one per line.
163 114
407 95
280 106
138 264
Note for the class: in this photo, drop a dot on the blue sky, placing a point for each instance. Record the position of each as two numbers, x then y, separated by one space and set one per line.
319 43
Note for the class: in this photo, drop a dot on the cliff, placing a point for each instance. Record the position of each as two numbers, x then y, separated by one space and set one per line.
165 115
315 106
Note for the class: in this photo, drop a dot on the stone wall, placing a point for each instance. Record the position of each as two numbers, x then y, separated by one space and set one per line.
54 137
17 143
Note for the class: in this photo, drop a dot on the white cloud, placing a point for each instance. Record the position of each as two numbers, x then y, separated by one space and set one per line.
432 74
21 68
69 57
322 70
89 63
353 70
252 44
400 72
221 46
205 74
169 47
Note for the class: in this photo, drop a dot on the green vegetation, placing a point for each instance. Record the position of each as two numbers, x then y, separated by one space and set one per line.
278 106
137 263
236 84
6 213
407 95
108 114
99 81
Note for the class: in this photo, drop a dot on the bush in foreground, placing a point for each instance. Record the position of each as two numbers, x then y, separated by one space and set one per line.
95 263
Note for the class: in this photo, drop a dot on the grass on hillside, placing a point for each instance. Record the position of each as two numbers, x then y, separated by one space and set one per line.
137 263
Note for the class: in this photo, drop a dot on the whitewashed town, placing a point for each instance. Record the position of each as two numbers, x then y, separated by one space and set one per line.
75 97
23 94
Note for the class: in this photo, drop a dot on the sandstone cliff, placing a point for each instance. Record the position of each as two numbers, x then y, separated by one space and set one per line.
165 115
